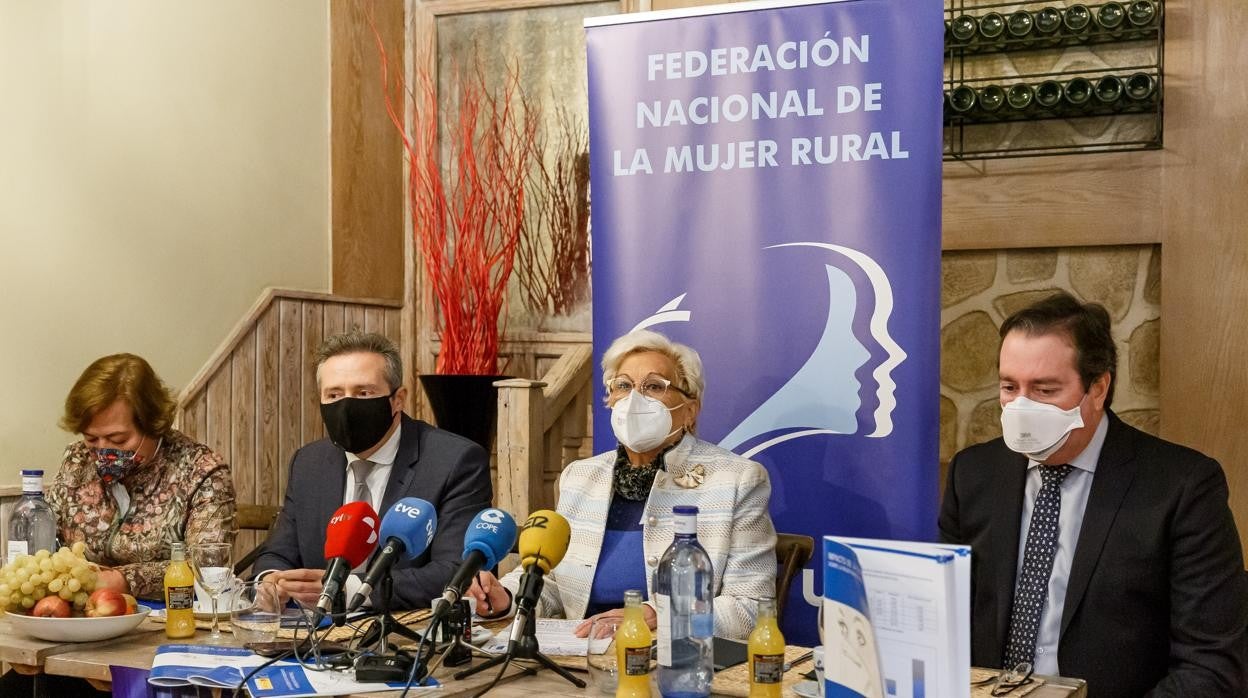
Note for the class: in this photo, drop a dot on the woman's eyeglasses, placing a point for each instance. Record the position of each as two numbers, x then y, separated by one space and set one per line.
652 386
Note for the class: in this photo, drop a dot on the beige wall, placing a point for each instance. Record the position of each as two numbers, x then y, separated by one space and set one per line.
160 164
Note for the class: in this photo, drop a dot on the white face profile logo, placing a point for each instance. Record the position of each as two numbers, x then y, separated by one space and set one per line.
493 516
372 529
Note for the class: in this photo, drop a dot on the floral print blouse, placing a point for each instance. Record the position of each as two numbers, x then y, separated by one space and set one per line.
185 493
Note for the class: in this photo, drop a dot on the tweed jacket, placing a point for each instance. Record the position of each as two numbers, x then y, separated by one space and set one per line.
733 525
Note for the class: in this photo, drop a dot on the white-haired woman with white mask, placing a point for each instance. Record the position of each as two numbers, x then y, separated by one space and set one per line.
619 504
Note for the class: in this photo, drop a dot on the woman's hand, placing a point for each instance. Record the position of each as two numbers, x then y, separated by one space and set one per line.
582 630
491 597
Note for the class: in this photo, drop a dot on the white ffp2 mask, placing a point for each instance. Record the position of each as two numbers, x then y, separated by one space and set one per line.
641 423
1037 429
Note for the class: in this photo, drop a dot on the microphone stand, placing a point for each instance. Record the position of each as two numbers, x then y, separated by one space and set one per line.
523 644
390 663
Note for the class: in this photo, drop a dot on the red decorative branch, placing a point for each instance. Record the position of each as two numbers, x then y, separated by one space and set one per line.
467 227
554 249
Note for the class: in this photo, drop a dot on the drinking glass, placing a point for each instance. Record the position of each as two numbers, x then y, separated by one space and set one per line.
255 612
213 564
600 657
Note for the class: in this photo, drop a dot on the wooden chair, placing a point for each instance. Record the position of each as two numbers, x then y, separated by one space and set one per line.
254 517
793 551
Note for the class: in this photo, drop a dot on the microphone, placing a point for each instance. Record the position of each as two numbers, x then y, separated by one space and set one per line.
349 539
407 529
544 539
489 538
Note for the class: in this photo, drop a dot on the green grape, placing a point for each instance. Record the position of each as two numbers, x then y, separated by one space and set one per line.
66 594
53 586
28 588
27 602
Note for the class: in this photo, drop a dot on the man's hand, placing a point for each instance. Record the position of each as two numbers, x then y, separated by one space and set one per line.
491 597
616 614
303 585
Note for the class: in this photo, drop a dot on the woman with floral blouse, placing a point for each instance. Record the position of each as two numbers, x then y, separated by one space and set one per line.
134 484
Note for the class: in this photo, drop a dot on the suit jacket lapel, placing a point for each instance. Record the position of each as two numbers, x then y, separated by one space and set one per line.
1011 484
1113 478
326 500
404 463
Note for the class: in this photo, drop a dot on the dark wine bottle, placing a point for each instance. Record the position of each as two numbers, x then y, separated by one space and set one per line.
1140 87
1077 92
1077 19
1108 90
1049 94
1019 25
1020 96
962 99
1142 14
992 30
991 98
963 28
1111 17
1047 24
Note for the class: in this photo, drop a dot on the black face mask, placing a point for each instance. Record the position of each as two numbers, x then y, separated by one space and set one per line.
357 424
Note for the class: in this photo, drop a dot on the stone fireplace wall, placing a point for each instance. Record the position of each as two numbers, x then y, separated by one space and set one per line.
979 289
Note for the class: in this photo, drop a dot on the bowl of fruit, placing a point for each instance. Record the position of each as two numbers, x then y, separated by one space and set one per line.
52 596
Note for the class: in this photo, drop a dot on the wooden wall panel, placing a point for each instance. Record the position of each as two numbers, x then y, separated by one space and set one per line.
353 317
290 387
1204 379
242 428
1110 199
313 428
256 401
269 460
366 154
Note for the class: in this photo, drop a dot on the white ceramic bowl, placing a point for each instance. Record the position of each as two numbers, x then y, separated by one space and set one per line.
77 629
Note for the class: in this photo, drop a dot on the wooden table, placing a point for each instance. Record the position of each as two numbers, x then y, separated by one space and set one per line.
30 656
91 661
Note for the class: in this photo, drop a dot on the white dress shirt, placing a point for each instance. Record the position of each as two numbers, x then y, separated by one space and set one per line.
1075 490
383 462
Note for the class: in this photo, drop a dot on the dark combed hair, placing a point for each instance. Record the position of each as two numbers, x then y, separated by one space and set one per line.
1085 324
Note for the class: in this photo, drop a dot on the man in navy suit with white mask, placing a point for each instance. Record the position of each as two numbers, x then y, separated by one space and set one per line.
1099 551
374 453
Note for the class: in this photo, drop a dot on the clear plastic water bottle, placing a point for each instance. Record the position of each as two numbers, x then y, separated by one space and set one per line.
686 619
32 525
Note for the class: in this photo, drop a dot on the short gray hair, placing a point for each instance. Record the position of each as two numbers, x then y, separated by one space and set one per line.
356 342
688 363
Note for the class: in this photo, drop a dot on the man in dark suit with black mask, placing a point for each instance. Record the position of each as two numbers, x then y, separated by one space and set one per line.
1099 551
378 454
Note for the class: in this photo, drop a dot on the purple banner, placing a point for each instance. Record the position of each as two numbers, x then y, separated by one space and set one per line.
766 189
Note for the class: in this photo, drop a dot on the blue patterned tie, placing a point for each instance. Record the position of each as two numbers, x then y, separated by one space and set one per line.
1033 581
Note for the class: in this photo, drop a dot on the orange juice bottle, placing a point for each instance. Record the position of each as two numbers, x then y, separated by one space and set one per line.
632 649
766 653
179 594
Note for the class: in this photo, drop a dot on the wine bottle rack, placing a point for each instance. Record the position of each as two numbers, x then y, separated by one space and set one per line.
1106 79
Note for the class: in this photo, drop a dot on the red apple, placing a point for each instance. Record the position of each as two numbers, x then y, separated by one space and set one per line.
51 607
106 602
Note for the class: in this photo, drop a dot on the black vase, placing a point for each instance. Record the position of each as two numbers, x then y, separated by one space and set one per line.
465 405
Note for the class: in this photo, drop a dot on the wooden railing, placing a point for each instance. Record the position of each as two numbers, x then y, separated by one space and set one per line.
255 401
542 426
